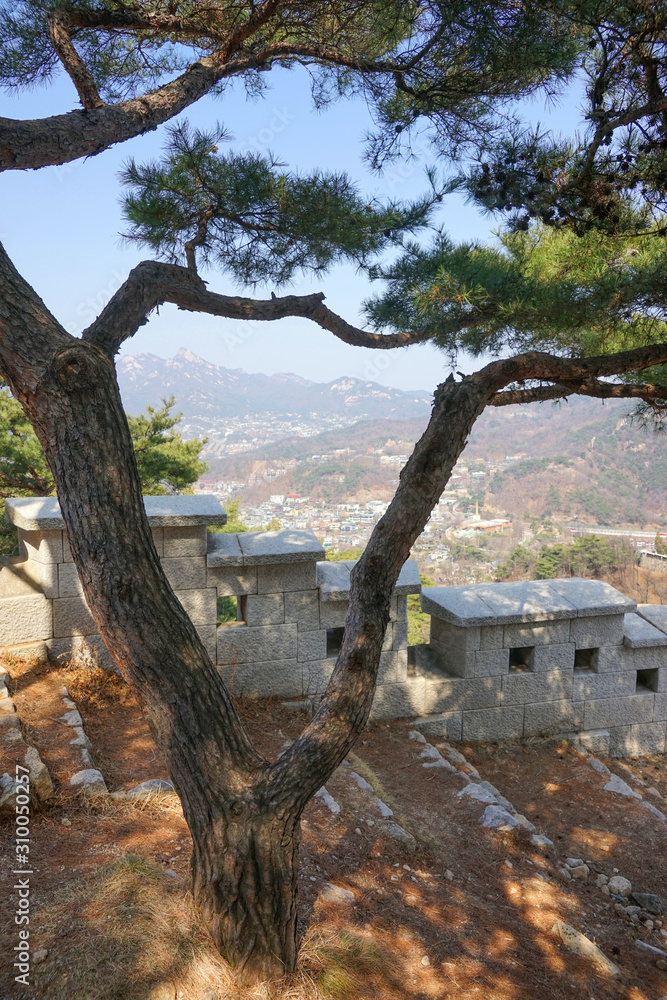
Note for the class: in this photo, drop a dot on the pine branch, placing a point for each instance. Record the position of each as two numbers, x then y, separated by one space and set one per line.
151 284
58 22
588 387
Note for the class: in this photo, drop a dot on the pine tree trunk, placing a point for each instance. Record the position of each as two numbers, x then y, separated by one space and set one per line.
245 882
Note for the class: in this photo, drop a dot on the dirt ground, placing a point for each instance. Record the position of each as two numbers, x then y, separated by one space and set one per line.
468 914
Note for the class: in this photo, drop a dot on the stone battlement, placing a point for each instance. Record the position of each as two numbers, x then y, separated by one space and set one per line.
503 660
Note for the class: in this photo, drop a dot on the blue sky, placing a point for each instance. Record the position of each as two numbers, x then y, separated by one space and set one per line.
61 226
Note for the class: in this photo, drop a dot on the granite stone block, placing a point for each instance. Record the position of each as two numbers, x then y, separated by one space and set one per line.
333 580
185 574
444 632
491 662
200 605
43 513
453 660
590 686
393 667
282 577
333 614
303 607
71 617
638 658
501 723
592 597
457 605
445 725
607 712
399 608
524 601
557 657
398 701
542 634
283 546
223 549
264 609
388 638
25 619
656 614
243 644
593 740
67 552
660 708
185 541
312 645
597 630
280 678
69 584
43 575
458 694
609 659
637 740
232 581
42 546
638 632
400 640
521 688
316 674
409 581
549 717
491 637
207 634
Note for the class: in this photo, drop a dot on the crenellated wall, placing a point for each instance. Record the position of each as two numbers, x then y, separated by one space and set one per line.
503 660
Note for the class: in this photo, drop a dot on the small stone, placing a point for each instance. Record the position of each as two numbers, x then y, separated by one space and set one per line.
497 818
541 842
328 800
620 886
620 787
573 862
119 795
601 880
597 765
632 910
661 964
478 793
357 830
566 873
426 960
620 909
336 894
449 875
397 832
154 786
663 933
7 705
163 991
651 790
650 902
580 872
40 955
430 752
579 944
643 946
648 924
80 740
508 863
65 821
90 781
416 736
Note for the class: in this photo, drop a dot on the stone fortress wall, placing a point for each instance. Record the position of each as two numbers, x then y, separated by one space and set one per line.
503 661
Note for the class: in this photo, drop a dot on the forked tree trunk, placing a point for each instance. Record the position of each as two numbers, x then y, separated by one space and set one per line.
243 811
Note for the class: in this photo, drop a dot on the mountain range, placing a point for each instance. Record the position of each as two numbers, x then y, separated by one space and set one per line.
209 392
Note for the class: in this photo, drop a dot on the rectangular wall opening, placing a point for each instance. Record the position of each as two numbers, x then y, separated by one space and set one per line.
522 658
647 681
585 659
334 640
230 610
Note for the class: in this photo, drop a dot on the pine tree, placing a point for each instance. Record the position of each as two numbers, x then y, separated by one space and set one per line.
454 67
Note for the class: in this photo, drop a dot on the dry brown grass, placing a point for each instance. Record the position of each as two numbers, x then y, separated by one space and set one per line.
133 928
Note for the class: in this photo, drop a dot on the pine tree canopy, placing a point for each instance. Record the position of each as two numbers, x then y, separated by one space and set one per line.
243 215
166 463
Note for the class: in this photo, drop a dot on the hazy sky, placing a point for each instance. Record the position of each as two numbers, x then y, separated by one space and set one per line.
61 226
